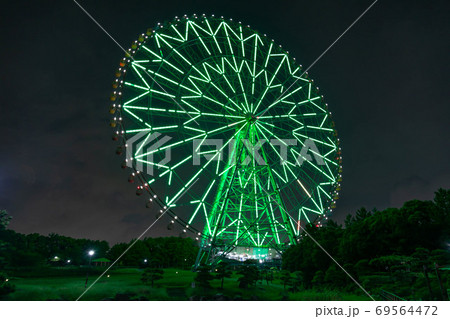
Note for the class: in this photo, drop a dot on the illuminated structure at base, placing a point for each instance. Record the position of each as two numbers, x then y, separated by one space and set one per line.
226 136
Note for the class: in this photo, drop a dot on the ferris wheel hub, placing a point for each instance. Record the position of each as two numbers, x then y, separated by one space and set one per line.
251 118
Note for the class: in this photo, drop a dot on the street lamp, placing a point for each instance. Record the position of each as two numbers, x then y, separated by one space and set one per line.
90 253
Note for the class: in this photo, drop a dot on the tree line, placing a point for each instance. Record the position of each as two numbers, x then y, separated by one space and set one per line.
404 250
35 250
162 252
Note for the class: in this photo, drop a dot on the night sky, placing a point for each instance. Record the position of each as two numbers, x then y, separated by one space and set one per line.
386 82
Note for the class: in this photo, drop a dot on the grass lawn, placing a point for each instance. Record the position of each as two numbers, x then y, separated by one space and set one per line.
176 285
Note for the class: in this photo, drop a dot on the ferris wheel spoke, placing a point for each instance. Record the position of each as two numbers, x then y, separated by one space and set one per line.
280 158
313 165
310 179
260 100
163 60
204 135
287 131
172 168
134 65
167 112
174 50
296 135
227 97
207 163
286 116
243 93
202 201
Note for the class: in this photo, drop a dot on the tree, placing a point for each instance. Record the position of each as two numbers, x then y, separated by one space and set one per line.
363 267
223 271
25 258
442 213
318 279
5 286
151 275
169 251
391 263
249 273
442 202
136 255
335 277
308 257
421 258
362 214
440 257
285 277
4 219
203 277
267 274
116 251
384 242
297 281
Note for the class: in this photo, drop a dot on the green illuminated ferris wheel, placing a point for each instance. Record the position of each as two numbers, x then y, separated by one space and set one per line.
225 135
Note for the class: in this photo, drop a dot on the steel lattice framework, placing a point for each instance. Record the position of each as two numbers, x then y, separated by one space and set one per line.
251 138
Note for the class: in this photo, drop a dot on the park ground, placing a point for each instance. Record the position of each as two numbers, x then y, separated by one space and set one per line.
125 284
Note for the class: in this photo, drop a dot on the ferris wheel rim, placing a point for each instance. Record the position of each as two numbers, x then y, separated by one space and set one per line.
161 203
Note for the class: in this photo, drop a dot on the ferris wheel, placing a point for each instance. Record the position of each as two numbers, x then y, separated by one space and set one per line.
224 134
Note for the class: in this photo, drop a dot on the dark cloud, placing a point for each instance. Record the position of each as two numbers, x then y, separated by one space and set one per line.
415 187
412 187
135 218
